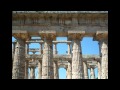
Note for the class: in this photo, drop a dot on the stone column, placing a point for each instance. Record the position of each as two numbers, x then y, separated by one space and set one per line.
40 69
26 69
32 72
85 70
14 43
100 45
66 68
102 37
55 70
27 48
54 48
66 72
92 74
41 48
77 64
18 71
104 61
99 70
13 52
69 70
47 62
68 48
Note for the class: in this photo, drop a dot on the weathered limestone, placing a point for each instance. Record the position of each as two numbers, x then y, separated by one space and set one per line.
99 70
69 70
55 65
47 61
40 69
85 70
32 72
47 24
104 61
102 37
77 64
13 52
18 71
26 69
92 74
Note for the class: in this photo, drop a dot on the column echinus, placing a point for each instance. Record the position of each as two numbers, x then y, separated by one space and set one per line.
47 61
102 37
18 71
77 63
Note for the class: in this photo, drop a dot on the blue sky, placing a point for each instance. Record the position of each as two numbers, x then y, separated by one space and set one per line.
88 47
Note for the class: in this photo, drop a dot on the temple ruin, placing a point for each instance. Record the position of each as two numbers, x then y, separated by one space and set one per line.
51 24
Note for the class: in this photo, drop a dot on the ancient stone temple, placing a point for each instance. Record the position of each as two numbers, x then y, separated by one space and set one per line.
51 24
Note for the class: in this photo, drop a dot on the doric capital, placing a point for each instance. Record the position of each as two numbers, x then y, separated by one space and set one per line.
48 35
21 34
101 36
75 35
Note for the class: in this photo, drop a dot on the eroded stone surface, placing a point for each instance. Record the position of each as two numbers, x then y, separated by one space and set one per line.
18 71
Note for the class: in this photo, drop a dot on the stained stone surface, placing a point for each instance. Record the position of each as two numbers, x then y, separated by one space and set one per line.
77 66
18 71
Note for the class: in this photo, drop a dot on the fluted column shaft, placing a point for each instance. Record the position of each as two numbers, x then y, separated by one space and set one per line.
47 62
32 73
55 70
13 52
92 74
99 70
18 71
26 69
85 70
104 61
69 70
77 64
40 69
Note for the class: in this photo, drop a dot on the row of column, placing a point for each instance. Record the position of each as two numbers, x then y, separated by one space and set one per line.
48 72
44 64
69 71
